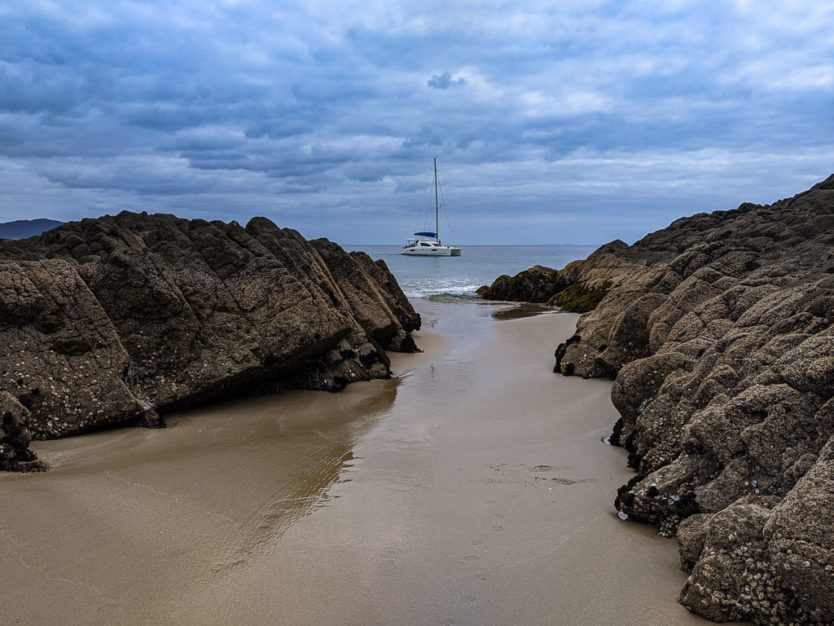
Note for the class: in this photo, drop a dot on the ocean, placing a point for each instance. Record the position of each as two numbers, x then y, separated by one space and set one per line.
459 277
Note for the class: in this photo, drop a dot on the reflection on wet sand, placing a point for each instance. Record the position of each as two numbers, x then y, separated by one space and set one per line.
125 514
522 310
266 525
323 442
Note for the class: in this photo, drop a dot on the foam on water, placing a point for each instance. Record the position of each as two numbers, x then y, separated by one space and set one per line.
428 288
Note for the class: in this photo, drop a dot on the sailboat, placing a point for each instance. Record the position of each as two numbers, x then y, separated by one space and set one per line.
427 243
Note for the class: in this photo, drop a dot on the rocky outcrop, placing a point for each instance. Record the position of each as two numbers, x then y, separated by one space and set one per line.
579 287
115 320
720 332
537 284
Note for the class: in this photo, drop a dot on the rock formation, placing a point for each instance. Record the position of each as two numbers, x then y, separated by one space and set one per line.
114 320
719 332
578 287
537 284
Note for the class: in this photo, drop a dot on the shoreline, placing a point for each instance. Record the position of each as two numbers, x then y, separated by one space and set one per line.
472 488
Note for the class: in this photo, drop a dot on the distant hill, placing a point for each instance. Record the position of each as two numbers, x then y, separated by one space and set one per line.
21 229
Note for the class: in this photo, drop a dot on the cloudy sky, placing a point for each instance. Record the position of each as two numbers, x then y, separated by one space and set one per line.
553 122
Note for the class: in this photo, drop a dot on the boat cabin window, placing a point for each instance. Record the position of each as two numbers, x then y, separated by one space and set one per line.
426 245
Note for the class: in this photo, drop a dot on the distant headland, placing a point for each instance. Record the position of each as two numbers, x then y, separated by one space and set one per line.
21 229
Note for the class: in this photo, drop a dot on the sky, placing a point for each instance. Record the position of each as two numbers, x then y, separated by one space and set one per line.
553 121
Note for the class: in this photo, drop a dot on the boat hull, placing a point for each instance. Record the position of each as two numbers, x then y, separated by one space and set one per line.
434 251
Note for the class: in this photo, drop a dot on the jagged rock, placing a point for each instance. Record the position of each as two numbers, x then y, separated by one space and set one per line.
719 331
372 305
114 320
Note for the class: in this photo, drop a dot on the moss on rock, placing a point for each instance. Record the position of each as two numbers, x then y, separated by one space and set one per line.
579 298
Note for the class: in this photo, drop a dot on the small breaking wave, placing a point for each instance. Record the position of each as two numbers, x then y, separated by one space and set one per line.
443 291
445 297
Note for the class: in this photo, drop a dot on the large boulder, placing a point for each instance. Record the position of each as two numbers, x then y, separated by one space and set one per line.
115 320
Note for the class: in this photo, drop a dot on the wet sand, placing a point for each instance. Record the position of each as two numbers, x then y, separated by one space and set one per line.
472 489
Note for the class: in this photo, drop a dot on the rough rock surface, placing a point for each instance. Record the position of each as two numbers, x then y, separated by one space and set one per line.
720 332
113 320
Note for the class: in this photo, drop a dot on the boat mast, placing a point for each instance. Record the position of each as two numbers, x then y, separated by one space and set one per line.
436 205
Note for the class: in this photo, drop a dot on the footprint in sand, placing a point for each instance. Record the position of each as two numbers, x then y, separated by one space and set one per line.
558 479
568 481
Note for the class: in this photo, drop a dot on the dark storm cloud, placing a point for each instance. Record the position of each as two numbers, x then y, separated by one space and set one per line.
323 113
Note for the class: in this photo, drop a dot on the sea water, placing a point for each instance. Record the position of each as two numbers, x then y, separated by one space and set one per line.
459 277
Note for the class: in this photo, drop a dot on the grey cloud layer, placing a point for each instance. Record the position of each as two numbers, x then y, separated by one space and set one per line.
325 115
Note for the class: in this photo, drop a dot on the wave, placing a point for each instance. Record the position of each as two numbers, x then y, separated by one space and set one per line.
445 297
446 290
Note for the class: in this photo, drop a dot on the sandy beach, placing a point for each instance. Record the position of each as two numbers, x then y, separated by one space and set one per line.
473 488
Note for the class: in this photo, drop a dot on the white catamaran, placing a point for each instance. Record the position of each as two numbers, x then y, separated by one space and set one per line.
426 243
